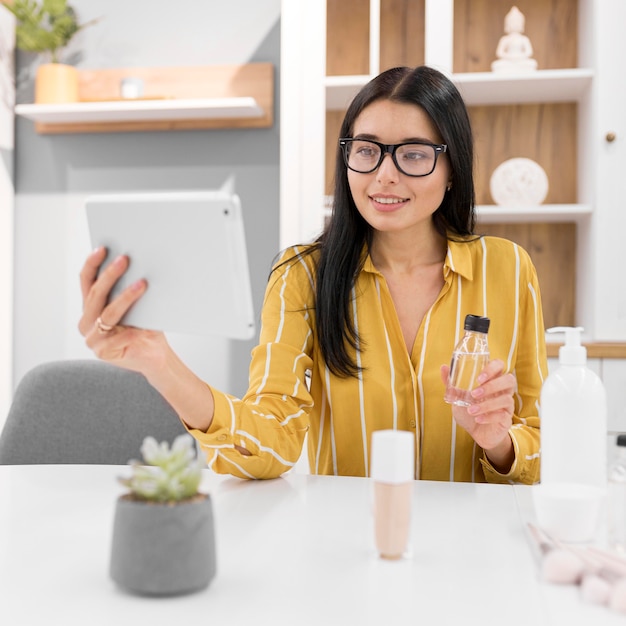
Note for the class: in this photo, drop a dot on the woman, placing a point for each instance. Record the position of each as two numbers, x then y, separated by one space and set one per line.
357 325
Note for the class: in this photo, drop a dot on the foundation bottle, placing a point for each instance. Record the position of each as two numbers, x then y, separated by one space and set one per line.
392 473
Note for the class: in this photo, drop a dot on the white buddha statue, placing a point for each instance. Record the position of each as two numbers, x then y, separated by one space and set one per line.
514 49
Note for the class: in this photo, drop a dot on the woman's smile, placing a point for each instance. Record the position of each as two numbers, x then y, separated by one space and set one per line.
387 203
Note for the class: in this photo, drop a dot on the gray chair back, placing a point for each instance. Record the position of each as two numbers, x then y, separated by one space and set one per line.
84 411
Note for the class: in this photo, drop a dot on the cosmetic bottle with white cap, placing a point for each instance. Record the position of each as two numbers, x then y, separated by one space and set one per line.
393 473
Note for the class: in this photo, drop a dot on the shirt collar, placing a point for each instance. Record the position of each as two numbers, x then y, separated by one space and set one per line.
368 266
458 260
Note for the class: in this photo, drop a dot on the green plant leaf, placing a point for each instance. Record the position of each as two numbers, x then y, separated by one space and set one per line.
44 28
55 7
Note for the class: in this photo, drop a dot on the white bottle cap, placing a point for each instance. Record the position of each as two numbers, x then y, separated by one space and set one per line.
572 353
393 456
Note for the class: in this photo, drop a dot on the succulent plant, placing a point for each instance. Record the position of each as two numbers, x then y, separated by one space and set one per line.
167 474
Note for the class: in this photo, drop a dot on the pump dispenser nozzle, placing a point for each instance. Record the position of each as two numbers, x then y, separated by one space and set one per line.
572 353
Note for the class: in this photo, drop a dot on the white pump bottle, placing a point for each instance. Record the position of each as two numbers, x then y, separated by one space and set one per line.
573 444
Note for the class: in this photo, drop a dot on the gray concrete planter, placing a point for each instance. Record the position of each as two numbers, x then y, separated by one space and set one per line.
163 549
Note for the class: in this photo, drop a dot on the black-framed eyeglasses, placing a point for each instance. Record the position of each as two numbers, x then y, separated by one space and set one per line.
411 158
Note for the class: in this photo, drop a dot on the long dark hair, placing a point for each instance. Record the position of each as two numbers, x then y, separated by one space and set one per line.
342 243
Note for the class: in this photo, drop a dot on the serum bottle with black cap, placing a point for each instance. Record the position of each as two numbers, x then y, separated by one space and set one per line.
469 358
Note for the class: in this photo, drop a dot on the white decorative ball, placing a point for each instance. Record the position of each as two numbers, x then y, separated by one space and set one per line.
519 182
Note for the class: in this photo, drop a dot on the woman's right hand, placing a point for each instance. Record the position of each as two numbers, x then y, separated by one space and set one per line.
127 346
145 351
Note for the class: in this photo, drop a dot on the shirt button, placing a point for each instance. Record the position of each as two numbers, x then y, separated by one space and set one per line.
412 423
222 438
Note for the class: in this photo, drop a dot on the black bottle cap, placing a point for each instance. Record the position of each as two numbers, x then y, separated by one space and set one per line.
621 439
476 323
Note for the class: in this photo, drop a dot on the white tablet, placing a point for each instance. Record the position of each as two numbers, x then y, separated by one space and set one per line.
191 248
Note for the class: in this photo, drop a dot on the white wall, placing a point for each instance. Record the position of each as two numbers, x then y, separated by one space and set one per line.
54 173
7 98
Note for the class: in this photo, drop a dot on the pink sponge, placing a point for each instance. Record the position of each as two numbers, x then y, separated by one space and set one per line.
617 601
595 589
562 567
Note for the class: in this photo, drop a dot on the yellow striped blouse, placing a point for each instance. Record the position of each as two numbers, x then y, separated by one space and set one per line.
292 392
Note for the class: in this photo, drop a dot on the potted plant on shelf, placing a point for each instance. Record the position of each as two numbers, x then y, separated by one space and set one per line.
47 28
163 532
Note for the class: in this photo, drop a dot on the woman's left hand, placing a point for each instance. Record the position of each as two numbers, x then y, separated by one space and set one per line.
490 417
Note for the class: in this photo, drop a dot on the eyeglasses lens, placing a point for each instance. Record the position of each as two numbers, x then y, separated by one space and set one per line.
414 159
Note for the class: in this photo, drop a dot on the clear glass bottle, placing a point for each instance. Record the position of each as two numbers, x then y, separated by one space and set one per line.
616 510
468 360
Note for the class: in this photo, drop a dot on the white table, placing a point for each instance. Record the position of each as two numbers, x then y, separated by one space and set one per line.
295 550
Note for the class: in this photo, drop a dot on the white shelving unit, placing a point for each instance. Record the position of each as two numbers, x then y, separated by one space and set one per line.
566 85
494 214
479 88
141 110
593 85
483 88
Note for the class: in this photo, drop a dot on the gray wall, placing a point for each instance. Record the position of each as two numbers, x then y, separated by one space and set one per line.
54 173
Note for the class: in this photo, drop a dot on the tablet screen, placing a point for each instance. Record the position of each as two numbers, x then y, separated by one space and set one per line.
191 249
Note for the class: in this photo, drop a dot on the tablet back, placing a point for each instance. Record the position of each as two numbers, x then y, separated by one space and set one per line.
190 247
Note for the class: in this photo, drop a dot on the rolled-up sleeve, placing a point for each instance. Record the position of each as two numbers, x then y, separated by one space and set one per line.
271 420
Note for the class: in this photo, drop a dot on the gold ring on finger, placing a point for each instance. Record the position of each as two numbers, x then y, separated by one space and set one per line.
103 328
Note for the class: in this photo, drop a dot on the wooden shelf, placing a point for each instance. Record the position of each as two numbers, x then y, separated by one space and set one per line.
140 110
595 350
484 88
545 213
174 98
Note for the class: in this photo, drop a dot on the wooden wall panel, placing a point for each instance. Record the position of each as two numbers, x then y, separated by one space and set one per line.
545 133
347 37
551 26
552 247
333 124
401 41
402 33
